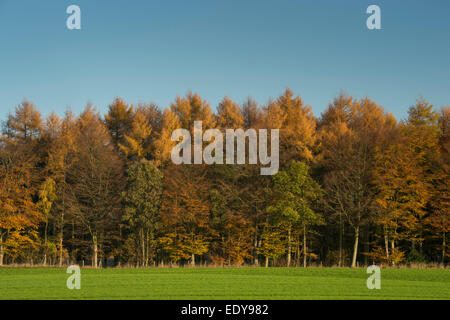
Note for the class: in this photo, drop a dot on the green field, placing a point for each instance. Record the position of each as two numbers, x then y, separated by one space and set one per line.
224 283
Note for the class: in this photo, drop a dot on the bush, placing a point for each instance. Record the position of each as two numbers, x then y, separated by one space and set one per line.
415 256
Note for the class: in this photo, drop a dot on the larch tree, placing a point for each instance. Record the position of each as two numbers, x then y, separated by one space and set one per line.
404 179
231 227
229 115
349 135
252 114
421 133
163 144
58 138
401 194
385 186
47 196
26 123
192 108
96 179
119 120
298 131
439 217
186 212
136 143
19 217
153 115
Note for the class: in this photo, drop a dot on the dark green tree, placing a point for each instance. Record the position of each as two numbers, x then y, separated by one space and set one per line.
142 205
294 195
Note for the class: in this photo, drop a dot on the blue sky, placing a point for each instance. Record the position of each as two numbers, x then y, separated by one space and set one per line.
154 50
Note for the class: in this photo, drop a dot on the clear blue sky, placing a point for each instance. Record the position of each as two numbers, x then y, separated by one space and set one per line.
153 50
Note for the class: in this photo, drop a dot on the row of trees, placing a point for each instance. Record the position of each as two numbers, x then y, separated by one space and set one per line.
355 186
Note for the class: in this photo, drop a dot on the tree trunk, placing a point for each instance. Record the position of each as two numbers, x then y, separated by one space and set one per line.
61 237
355 247
367 239
255 252
95 247
146 248
193 260
143 247
392 250
289 248
305 249
45 244
60 249
72 257
149 241
267 262
341 232
1 250
386 244
443 249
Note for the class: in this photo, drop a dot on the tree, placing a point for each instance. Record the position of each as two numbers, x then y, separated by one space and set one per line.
57 143
142 204
350 131
96 179
105 187
294 194
185 212
404 177
439 218
421 133
401 195
153 115
25 124
273 245
296 124
231 226
164 144
19 217
298 134
193 108
136 143
119 120
251 112
339 111
229 115
47 196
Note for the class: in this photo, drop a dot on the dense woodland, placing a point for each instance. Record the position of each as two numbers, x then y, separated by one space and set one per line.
355 187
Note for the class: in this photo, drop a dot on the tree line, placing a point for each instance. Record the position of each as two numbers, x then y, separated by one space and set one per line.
355 186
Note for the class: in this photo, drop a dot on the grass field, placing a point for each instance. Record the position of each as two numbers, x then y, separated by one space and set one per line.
224 283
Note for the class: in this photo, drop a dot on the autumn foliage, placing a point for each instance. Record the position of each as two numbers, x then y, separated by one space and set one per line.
355 186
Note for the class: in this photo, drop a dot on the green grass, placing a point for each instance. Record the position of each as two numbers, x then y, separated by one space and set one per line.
224 283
